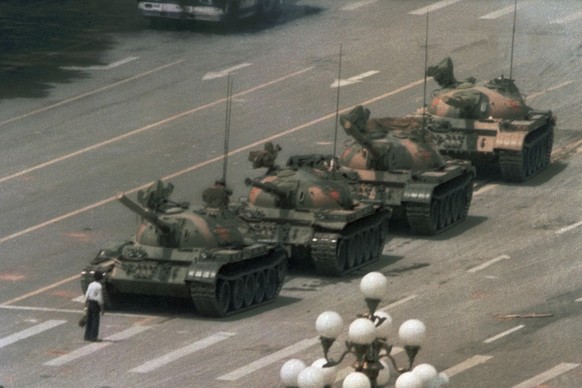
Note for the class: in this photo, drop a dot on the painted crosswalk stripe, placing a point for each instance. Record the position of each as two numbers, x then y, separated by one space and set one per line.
182 352
29 332
488 263
270 359
433 7
95 346
499 13
358 4
547 375
467 364
501 335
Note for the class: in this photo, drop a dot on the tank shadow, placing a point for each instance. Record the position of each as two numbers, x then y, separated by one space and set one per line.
491 174
402 230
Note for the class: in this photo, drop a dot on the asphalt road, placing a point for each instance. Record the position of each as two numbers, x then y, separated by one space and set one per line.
501 294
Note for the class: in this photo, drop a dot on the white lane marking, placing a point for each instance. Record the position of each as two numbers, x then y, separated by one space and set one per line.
79 299
568 228
353 80
268 360
225 72
148 127
344 372
579 300
467 364
397 303
551 88
567 19
102 67
52 310
182 352
213 160
358 4
99 90
485 189
547 375
499 13
433 7
488 263
290 350
93 347
505 333
40 290
29 332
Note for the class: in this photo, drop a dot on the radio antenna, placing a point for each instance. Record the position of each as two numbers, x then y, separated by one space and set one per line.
512 39
227 125
337 102
425 79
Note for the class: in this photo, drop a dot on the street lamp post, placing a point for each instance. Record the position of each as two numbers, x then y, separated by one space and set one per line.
368 343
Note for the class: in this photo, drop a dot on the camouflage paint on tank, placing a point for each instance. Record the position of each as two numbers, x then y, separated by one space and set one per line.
489 123
190 252
396 164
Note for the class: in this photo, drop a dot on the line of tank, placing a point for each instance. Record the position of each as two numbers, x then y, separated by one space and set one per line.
329 212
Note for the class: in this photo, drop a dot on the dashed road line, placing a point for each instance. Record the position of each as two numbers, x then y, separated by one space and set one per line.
547 375
53 310
182 352
225 72
353 80
505 333
569 228
551 88
270 359
31 331
488 263
433 7
499 13
358 4
95 346
102 67
397 303
567 19
467 364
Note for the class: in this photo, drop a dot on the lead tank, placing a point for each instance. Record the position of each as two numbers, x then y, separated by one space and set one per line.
311 210
489 123
206 254
396 165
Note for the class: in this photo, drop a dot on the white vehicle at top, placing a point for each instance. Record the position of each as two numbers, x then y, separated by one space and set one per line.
211 10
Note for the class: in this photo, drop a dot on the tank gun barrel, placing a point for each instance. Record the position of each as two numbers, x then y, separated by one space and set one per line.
354 124
144 213
267 187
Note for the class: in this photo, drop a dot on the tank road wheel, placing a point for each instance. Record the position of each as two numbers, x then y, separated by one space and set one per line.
248 290
237 289
352 252
259 287
357 249
367 245
282 271
376 246
222 301
270 283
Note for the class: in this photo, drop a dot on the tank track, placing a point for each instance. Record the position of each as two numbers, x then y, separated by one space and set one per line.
519 166
241 287
449 207
337 254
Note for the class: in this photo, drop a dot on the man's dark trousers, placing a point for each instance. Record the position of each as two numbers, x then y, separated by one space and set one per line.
93 316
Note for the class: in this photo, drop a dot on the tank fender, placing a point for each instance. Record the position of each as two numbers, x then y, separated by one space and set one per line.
418 192
204 271
511 141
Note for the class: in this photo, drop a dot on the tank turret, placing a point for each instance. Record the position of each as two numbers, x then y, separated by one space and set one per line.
382 145
489 124
398 166
208 254
311 209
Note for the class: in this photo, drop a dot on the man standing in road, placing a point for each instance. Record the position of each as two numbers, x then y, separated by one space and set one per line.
94 304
